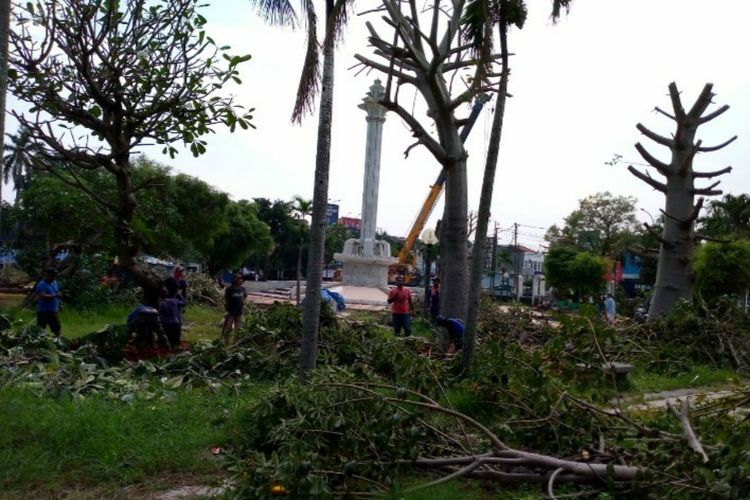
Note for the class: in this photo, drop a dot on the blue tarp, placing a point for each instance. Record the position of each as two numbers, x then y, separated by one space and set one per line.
336 300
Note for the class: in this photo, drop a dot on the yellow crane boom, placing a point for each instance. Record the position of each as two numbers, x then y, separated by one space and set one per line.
437 188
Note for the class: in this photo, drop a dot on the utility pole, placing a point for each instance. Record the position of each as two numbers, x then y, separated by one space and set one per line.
516 279
494 259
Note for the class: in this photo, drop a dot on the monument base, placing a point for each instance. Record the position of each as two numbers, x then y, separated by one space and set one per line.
371 272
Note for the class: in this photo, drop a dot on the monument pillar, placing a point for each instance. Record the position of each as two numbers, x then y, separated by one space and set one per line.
365 260
375 119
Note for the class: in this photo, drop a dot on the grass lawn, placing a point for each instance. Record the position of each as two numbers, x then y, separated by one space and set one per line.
468 490
200 322
697 376
54 445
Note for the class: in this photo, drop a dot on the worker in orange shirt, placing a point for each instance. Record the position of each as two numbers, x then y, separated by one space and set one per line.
401 307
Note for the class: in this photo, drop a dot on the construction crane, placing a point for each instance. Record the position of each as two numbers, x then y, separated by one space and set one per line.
432 197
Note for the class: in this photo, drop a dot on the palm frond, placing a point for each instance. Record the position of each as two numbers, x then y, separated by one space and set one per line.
337 19
514 12
276 12
474 19
557 6
309 82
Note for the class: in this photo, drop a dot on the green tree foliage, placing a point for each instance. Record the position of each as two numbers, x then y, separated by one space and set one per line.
244 239
103 78
53 217
336 236
571 271
722 269
223 233
286 233
728 217
602 224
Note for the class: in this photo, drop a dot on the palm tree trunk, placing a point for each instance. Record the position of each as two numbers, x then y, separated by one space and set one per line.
299 270
310 321
4 34
485 201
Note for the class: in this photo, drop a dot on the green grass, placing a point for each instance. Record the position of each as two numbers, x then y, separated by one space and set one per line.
697 376
465 490
200 322
50 444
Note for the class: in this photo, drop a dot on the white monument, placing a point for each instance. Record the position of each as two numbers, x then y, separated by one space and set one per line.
366 259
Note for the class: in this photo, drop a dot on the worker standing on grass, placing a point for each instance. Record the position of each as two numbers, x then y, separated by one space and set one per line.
610 308
176 283
170 314
433 299
48 306
401 307
234 304
456 330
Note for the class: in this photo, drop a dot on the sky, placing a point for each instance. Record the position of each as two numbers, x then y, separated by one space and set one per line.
579 87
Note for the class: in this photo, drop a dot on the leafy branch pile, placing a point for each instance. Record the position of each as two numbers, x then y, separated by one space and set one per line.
719 335
526 413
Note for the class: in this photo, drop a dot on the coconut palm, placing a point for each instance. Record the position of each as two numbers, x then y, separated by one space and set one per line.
282 13
301 208
728 217
4 35
17 160
479 16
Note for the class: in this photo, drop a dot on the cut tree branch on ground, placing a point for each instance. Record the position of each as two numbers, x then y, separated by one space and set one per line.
683 416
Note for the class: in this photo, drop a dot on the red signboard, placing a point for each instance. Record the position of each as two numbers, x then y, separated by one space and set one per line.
351 223
618 271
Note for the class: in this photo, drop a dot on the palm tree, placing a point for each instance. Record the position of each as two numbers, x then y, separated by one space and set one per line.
728 217
301 209
479 15
17 161
4 35
281 12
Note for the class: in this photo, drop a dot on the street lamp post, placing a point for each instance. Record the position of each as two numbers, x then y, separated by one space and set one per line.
429 238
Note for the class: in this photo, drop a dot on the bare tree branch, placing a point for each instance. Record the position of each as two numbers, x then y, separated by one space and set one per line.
707 118
664 141
704 99
385 69
706 149
707 188
645 177
674 95
690 436
662 167
708 175
670 116
417 130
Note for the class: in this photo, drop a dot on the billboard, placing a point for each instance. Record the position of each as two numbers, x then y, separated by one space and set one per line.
351 223
332 214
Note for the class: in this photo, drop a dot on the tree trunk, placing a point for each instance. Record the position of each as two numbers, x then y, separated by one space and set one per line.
453 234
126 239
310 321
674 275
485 202
5 7
299 271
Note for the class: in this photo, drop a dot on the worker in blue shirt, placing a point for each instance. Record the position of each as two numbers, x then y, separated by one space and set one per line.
455 329
49 301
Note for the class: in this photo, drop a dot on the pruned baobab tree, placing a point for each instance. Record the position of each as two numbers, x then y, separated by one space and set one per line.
424 49
102 79
674 276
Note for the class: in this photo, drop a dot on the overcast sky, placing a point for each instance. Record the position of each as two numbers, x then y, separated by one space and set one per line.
579 87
